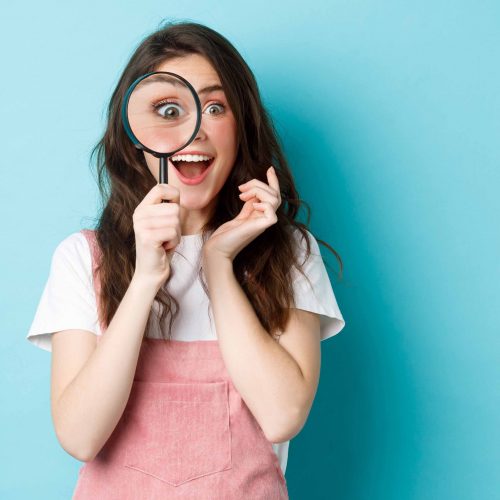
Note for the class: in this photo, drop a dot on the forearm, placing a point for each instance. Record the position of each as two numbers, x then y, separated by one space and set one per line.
92 404
267 377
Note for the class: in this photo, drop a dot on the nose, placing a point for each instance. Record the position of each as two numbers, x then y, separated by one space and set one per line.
201 135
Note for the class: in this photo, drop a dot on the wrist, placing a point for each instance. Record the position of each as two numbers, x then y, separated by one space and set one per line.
216 264
145 285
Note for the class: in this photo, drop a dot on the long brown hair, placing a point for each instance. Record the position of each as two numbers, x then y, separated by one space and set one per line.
263 268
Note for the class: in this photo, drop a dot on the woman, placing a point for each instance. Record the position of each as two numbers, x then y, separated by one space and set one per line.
207 408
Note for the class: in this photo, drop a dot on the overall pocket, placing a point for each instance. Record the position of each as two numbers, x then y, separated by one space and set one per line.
178 432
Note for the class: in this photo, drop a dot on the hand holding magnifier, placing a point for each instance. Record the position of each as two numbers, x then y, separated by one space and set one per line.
161 114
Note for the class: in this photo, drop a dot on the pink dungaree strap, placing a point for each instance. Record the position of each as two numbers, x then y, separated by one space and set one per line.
185 433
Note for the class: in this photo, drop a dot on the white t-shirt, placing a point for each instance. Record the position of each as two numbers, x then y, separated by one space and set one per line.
68 299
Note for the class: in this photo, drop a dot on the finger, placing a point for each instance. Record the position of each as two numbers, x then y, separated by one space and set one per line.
272 178
268 210
158 210
161 192
159 236
262 194
254 183
273 187
157 222
247 209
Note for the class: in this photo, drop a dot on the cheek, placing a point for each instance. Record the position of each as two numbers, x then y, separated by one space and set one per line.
153 164
223 134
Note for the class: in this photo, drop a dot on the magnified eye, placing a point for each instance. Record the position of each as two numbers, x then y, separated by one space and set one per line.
168 110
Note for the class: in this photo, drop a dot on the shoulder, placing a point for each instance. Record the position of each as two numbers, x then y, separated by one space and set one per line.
312 286
301 241
74 241
302 246
74 244
73 250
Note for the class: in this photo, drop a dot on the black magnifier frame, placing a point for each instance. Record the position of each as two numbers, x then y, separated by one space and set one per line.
162 156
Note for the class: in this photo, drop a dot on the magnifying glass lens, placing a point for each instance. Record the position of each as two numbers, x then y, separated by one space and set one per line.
162 113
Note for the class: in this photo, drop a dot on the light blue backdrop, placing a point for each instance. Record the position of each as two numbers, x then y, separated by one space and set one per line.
389 112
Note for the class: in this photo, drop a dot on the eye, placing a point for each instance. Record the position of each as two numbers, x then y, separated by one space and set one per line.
215 109
168 110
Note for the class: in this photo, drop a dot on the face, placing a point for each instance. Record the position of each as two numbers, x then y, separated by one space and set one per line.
216 138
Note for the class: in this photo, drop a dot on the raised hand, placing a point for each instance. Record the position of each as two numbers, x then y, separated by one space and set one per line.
257 214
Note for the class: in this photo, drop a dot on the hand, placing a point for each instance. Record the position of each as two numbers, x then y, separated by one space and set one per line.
258 213
157 233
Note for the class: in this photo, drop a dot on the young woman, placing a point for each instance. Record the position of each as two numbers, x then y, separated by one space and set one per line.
185 336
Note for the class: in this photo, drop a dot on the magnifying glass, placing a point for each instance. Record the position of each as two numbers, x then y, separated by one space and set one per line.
161 114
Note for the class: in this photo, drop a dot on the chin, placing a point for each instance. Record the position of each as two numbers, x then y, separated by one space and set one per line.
193 202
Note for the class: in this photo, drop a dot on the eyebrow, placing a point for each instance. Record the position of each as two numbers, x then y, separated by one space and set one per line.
174 81
210 88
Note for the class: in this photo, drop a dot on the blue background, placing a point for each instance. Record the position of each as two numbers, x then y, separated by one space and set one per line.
390 115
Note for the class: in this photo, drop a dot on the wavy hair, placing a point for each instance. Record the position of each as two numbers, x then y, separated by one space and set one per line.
263 268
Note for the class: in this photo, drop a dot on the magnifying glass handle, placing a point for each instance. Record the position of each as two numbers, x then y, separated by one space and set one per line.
163 173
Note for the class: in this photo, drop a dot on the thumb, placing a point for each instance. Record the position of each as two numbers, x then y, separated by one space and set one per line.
168 251
247 208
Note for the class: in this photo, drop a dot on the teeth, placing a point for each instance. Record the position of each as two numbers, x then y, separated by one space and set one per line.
191 158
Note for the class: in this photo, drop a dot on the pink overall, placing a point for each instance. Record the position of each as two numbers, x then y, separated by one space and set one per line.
185 432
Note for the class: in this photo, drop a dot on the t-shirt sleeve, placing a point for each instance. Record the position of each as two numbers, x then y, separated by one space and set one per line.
316 296
68 298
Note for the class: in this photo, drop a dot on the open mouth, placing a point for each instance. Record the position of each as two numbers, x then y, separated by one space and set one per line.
191 166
